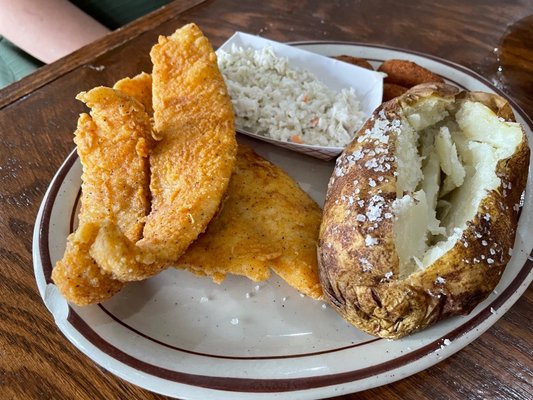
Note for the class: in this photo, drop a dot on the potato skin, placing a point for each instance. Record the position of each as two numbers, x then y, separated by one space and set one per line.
357 258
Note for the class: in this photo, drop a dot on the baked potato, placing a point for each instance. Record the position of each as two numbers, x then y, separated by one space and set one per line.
422 209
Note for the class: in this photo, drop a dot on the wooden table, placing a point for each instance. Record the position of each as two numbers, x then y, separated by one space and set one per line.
38 114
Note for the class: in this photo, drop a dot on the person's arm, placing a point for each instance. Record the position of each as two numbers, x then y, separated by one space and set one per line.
47 29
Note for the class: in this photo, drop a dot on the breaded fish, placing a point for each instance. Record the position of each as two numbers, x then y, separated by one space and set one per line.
113 150
113 144
77 276
266 221
139 87
237 241
191 164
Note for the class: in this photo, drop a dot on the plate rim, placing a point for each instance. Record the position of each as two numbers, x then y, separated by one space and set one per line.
505 299
441 60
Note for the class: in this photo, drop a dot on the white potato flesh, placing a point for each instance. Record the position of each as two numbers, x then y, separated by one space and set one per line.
449 160
464 146
410 230
430 185
429 111
479 123
408 162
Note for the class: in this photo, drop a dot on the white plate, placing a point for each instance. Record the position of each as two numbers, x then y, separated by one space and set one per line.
337 75
162 334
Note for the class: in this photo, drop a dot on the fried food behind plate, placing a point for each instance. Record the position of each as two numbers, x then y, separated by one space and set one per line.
113 145
266 221
191 164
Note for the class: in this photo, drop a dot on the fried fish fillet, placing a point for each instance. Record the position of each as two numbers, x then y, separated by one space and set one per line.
266 221
191 164
237 241
114 153
77 276
113 144
139 87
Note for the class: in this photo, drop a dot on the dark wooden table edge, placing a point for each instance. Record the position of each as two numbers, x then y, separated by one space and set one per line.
86 54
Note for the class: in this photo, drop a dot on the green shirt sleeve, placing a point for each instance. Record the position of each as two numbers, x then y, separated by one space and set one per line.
15 64
116 13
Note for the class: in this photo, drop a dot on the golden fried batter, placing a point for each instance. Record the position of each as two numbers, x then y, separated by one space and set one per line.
407 73
392 90
266 221
360 62
113 144
78 277
114 155
129 231
238 241
139 87
191 164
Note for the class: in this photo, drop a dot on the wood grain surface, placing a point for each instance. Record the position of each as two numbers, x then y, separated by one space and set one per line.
38 116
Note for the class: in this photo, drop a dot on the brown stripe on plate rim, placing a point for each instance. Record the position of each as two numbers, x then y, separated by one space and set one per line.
73 214
44 226
161 343
283 385
278 385
47 271
197 353
258 385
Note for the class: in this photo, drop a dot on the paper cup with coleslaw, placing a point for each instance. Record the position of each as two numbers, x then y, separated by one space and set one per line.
294 98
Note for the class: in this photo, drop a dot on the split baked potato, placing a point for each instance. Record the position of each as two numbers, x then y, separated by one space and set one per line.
422 209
